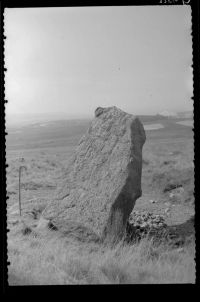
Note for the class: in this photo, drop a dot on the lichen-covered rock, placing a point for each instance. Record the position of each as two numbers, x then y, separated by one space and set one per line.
142 223
103 179
146 220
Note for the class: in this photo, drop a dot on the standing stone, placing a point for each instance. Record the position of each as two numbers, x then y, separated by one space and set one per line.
103 179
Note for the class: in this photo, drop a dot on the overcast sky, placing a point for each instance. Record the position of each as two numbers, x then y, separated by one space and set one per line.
72 60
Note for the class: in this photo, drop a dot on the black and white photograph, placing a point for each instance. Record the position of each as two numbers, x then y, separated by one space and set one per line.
99 145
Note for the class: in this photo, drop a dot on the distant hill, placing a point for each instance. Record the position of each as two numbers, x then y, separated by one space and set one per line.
151 118
185 114
168 114
180 114
18 120
165 115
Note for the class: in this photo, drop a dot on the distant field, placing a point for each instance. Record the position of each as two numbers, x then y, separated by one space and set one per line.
54 134
152 126
168 155
186 123
68 132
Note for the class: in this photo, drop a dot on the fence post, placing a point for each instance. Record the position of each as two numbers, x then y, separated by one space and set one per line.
20 169
20 211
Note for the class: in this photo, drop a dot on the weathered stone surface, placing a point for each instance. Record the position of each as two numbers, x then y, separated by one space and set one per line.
103 179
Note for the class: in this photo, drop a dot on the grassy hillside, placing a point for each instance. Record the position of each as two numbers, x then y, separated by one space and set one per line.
53 258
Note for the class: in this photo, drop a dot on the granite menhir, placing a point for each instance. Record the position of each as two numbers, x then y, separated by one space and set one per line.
103 178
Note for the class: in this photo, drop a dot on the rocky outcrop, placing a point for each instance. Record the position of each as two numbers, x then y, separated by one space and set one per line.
146 219
103 179
154 226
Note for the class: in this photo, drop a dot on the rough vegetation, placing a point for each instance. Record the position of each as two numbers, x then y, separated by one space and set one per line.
54 260
53 257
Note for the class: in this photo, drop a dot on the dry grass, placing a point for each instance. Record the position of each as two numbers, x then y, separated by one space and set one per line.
51 259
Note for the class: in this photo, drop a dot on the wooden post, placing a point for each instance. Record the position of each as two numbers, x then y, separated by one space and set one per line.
20 169
20 211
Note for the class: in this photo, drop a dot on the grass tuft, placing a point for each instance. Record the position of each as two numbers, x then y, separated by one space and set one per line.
51 260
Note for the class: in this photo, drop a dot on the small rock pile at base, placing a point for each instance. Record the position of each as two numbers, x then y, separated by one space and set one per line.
147 220
141 223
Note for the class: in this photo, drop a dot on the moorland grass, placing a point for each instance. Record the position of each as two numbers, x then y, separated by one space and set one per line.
50 259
